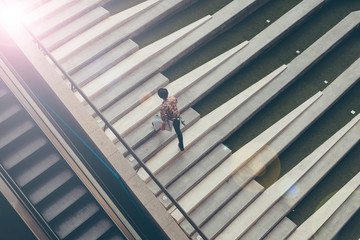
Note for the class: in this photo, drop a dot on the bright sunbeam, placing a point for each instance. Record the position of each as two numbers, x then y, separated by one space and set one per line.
11 17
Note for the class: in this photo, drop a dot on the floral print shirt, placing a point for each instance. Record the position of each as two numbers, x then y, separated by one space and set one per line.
169 109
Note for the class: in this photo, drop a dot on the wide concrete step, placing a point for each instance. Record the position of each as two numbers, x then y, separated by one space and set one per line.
26 149
8 110
10 131
230 207
139 97
40 190
112 233
97 228
274 215
328 220
181 185
237 163
187 161
202 34
33 168
153 15
178 88
108 29
282 230
141 57
26 6
74 28
43 12
280 193
209 122
64 17
340 218
56 205
68 223
225 193
109 51
97 66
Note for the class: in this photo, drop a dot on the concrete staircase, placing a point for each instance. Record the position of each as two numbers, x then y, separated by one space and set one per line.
46 180
213 185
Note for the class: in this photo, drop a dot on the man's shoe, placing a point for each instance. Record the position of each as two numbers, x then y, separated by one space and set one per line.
181 147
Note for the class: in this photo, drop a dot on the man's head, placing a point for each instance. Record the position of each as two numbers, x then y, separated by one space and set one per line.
163 93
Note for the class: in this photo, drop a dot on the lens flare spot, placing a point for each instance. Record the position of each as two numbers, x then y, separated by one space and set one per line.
11 17
253 159
292 192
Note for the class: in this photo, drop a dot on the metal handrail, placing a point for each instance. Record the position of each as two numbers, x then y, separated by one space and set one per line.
113 130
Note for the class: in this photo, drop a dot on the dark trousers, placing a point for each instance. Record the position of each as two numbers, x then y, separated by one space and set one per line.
176 124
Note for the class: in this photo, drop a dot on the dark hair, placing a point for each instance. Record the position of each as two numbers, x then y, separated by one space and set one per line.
163 93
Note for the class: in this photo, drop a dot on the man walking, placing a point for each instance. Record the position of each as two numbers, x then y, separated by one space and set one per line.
170 111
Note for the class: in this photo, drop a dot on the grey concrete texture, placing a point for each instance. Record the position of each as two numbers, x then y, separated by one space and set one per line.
62 18
187 166
196 173
46 10
324 158
86 73
135 98
69 31
340 217
232 209
282 230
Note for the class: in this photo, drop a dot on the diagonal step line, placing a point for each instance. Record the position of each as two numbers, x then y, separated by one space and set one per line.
91 56
284 228
46 10
340 217
71 30
27 7
315 221
108 25
63 18
238 200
